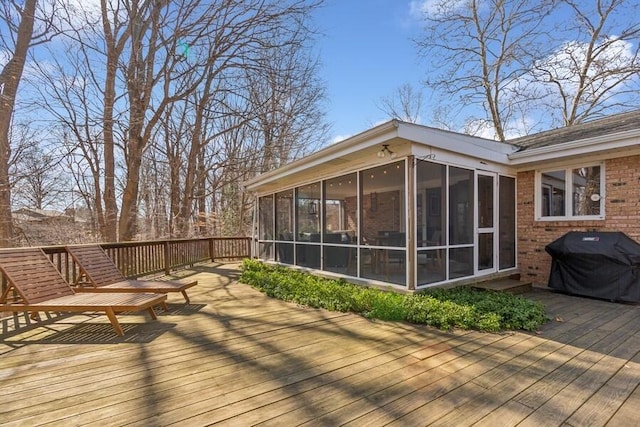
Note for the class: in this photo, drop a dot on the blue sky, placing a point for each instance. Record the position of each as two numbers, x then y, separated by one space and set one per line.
366 52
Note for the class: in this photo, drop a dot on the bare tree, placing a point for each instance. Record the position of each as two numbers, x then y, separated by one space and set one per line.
171 143
39 182
21 136
597 72
10 77
71 94
231 31
23 25
239 86
405 103
229 204
83 182
512 60
285 98
144 93
153 196
478 50
116 32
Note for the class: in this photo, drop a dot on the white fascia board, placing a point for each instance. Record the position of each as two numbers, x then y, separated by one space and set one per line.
371 137
479 148
582 147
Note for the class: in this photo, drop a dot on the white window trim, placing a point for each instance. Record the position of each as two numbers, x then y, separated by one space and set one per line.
568 185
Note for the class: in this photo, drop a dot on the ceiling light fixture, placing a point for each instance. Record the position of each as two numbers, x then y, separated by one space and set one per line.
384 151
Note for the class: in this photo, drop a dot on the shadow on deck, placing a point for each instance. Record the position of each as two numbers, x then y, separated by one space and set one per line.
236 357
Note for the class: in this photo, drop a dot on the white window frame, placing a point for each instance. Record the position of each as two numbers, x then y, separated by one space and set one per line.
568 170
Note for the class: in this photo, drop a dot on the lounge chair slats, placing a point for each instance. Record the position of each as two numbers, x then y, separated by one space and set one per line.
33 271
104 276
87 301
98 263
41 288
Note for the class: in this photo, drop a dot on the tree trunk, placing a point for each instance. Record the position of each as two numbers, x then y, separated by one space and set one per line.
200 196
114 49
9 81
127 226
176 191
110 206
186 204
190 178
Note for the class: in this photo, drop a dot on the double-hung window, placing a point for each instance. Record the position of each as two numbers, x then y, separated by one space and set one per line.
570 193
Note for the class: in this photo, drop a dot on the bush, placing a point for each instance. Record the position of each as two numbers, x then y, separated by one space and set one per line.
461 307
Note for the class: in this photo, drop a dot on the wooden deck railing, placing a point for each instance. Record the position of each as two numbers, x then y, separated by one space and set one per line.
136 259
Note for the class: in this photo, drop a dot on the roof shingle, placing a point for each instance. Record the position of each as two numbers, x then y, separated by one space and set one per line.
591 129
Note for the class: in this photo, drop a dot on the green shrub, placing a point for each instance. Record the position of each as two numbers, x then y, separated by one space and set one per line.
461 307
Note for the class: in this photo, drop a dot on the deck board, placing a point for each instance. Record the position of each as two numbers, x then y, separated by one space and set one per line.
400 387
236 357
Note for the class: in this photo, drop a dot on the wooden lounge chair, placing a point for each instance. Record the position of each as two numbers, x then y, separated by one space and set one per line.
98 273
34 284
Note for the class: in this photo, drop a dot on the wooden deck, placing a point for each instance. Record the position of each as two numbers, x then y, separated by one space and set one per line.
237 358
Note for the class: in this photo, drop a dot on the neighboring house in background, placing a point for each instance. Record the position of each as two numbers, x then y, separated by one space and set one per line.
414 206
41 227
33 215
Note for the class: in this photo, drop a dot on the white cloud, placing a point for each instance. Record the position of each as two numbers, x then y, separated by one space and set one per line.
537 90
339 138
566 63
90 7
76 14
565 66
421 8
517 128
479 127
380 121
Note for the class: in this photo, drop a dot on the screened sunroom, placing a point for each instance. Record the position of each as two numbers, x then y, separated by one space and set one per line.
400 204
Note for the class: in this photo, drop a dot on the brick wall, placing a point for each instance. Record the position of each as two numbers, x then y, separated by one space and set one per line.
385 216
622 213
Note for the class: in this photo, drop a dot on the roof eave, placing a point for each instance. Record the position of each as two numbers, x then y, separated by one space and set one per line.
579 147
354 143
477 147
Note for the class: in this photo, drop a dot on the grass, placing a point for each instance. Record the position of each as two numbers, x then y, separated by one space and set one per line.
462 307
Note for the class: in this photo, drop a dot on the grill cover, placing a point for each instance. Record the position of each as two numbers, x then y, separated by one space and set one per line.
596 264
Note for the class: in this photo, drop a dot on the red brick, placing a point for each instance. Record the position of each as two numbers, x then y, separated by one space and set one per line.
533 236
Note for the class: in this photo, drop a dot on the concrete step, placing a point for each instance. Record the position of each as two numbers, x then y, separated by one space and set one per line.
511 286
